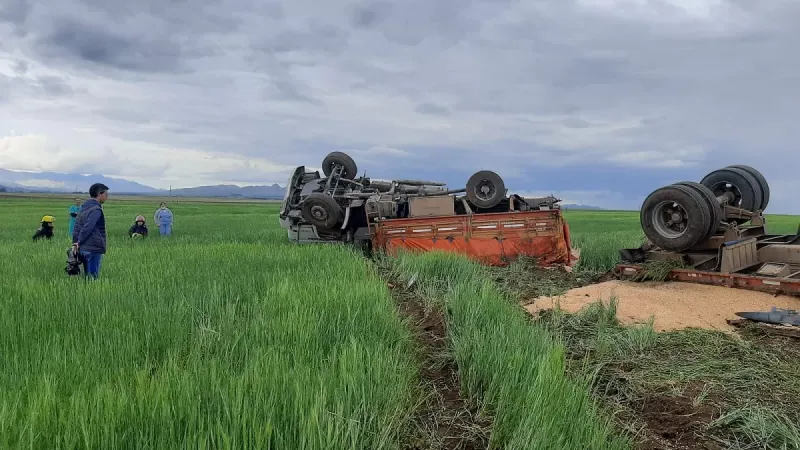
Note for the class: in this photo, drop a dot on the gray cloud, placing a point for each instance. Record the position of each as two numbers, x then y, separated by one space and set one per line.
666 87
20 68
86 43
431 108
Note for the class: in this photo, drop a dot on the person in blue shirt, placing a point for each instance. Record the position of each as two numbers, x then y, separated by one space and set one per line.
163 220
73 214
89 235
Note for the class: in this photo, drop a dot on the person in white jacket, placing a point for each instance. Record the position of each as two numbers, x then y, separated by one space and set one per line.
163 219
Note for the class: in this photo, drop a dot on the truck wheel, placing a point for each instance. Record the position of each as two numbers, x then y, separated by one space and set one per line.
744 187
762 183
340 159
485 189
321 210
675 218
711 201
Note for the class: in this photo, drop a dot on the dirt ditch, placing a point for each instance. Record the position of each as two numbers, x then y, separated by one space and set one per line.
445 420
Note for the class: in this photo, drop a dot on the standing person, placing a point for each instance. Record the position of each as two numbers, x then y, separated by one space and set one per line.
73 214
89 236
163 219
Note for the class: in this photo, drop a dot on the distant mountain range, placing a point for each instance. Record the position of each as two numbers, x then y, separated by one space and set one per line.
14 181
274 191
66 182
53 182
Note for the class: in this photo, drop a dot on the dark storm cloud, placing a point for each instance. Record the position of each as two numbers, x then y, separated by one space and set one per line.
584 91
88 43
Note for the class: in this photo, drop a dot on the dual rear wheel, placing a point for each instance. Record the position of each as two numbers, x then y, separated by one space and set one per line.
682 215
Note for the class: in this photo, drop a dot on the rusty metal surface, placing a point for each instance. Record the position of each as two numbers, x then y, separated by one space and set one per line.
492 238
764 284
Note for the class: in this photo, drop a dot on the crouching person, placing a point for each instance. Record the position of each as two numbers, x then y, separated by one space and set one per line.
139 229
46 230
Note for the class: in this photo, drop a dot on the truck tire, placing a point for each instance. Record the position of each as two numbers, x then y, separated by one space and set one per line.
340 159
745 187
711 201
762 183
485 189
321 210
675 203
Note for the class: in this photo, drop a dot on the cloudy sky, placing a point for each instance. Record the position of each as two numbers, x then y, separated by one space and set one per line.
598 101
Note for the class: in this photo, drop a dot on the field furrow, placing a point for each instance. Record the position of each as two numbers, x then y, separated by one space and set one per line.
513 370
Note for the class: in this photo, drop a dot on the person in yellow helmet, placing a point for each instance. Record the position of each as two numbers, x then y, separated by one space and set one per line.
46 230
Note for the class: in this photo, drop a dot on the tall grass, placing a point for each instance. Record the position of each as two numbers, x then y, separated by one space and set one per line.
223 336
513 368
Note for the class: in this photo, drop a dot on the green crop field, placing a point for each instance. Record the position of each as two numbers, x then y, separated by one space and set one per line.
225 335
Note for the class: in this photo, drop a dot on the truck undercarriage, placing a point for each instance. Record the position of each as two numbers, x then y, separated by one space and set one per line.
716 230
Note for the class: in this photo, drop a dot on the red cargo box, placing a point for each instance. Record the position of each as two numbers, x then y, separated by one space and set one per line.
493 239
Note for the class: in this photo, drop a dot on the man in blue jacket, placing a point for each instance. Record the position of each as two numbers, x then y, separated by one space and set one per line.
89 235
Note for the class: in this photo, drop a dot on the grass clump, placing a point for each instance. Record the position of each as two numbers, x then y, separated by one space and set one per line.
513 369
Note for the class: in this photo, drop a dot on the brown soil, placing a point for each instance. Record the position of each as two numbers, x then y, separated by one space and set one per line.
673 305
445 420
675 422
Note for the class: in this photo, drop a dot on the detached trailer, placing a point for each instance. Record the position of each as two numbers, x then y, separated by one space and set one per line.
717 229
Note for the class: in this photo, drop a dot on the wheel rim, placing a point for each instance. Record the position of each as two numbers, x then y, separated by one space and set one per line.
318 212
670 219
724 187
484 190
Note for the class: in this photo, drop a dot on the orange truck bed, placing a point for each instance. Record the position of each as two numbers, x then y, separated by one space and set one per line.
494 239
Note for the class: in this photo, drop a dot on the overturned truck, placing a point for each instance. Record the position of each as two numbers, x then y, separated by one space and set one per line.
479 220
717 231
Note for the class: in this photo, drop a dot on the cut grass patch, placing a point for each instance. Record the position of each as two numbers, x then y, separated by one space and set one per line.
690 387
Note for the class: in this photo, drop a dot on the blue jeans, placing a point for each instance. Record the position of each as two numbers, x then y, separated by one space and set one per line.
91 264
165 230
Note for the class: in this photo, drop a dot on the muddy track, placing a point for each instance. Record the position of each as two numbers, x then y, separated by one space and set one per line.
445 420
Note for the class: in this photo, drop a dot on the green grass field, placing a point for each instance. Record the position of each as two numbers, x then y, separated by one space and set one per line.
225 335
